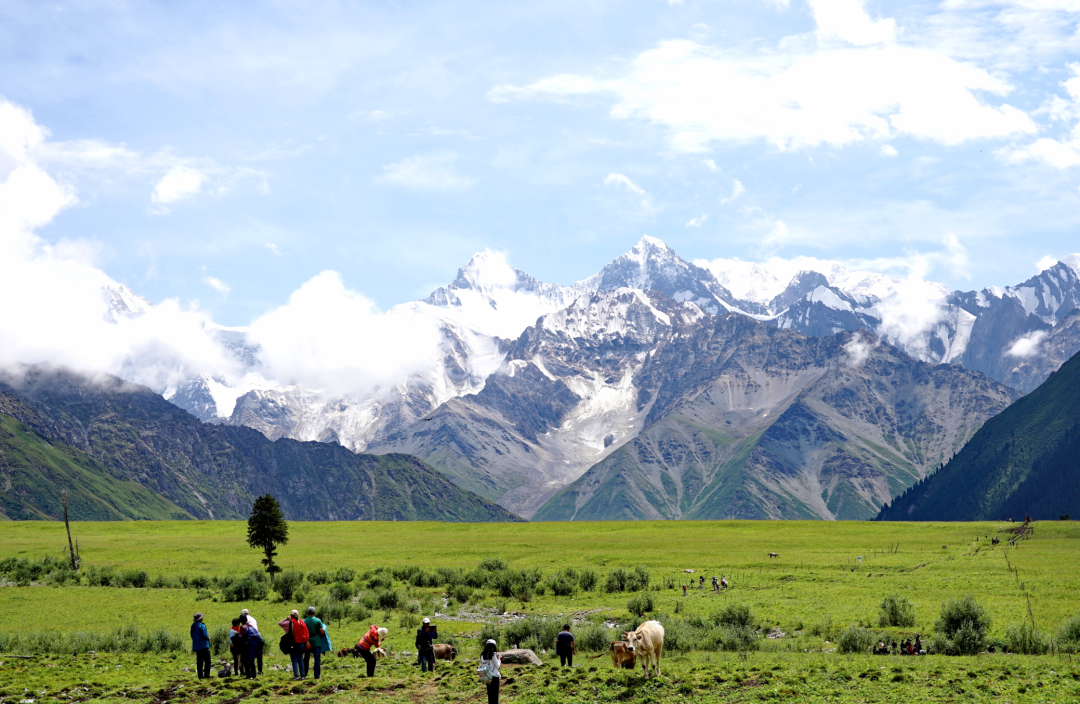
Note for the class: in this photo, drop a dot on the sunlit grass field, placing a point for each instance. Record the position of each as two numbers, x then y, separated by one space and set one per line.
810 583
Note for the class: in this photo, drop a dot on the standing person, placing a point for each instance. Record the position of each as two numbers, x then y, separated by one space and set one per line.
319 640
237 646
489 670
371 640
425 642
565 647
684 590
701 582
298 633
715 584
252 622
200 645
254 642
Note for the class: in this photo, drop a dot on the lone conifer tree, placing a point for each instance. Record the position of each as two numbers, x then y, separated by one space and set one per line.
267 529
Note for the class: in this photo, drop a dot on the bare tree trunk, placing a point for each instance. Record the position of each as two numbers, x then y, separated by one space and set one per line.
67 524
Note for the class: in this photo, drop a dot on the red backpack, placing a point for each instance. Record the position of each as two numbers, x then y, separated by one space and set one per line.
299 631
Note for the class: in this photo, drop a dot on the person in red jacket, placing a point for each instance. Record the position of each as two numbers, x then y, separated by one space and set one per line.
371 640
295 626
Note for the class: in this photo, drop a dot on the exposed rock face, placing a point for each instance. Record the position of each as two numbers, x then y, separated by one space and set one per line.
764 423
215 471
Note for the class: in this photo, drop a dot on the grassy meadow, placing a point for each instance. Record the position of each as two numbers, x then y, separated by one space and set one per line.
809 593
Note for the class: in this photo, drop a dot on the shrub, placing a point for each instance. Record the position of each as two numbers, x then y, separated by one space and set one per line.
344 574
199 582
856 639
563 582
380 580
737 639
246 589
736 616
258 576
490 631
896 610
641 605
963 627
533 632
587 580
319 576
387 599
492 564
1069 635
287 583
408 620
134 578
460 592
1023 638
219 640
620 580
342 591
593 637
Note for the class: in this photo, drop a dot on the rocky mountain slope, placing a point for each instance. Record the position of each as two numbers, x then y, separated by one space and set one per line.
754 422
1023 462
211 471
534 382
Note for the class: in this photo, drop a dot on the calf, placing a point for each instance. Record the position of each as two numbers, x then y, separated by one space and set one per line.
648 641
773 554
444 651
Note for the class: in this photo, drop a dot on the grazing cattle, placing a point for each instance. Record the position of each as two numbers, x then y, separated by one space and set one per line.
773 554
444 651
648 642
622 655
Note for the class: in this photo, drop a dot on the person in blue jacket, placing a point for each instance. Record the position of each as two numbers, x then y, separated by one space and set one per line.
200 645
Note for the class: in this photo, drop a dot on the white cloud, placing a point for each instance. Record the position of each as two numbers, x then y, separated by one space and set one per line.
802 93
217 284
334 339
1060 153
737 189
426 172
858 350
710 165
623 181
848 21
1045 263
888 150
1026 345
698 221
273 248
180 182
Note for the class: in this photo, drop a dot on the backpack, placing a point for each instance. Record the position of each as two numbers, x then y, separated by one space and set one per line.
286 642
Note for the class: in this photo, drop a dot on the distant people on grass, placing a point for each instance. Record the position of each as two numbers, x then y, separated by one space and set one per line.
297 641
372 640
251 621
565 647
715 584
253 646
723 582
684 590
319 641
200 645
490 662
425 645
701 582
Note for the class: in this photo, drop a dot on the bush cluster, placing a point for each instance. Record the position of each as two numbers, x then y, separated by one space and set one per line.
127 639
962 628
896 610
627 580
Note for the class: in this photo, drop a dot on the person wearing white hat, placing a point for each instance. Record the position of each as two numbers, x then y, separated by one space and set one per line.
489 670
425 639
254 624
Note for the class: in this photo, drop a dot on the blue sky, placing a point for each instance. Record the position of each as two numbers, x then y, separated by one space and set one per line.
224 154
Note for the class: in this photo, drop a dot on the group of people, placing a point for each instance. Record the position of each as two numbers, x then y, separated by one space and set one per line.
304 640
907 647
717 584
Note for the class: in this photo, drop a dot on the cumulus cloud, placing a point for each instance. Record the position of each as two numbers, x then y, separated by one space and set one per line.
334 339
180 182
1027 345
218 285
854 83
426 172
698 221
888 150
858 349
1062 152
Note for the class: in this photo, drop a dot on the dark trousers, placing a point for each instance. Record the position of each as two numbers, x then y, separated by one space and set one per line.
296 654
248 667
370 660
258 658
566 658
315 652
427 661
202 662
493 690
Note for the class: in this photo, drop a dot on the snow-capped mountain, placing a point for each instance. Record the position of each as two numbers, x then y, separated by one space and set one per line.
535 383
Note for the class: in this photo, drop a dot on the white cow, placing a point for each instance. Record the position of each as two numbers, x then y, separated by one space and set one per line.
648 643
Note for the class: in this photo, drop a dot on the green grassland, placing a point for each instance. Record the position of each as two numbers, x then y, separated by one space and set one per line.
810 593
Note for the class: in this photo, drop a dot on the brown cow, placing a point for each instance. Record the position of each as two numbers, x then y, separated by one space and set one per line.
622 655
444 651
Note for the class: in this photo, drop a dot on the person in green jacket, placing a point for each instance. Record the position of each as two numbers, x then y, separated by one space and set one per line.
320 642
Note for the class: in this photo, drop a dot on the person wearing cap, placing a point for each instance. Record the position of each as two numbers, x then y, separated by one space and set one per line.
489 670
200 645
425 640
254 624
319 640
372 639
298 634
253 642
